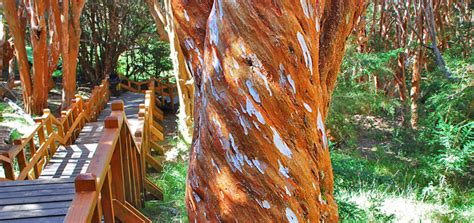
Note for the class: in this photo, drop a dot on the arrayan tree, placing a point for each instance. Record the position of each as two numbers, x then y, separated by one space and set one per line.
53 32
164 19
264 72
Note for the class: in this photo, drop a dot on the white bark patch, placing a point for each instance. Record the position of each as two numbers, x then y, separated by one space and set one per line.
244 125
281 146
292 83
221 12
308 108
213 28
257 164
252 111
236 65
306 53
287 191
317 24
265 204
304 5
248 161
215 165
283 170
186 16
253 91
322 129
264 78
291 216
196 197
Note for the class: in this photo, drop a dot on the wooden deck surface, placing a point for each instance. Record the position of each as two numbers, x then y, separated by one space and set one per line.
48 198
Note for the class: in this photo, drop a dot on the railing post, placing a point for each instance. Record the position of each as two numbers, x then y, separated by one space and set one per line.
49 128
8 167
87 182
80 102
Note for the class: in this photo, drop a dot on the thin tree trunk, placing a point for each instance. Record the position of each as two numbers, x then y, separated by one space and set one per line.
259 148
428 13
164 20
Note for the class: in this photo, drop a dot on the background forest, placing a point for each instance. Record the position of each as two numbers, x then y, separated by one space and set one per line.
400 123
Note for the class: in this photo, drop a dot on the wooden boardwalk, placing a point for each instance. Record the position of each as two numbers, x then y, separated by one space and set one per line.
48 198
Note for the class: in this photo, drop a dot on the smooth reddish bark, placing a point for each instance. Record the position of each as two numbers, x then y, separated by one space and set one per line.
264 72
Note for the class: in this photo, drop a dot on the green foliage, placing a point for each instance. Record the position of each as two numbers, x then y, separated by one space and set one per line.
172 181
429 167
149 59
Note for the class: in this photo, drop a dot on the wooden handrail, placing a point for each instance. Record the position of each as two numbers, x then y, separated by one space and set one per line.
161 86
40 142
112 186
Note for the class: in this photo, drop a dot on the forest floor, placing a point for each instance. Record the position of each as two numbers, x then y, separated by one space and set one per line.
383 179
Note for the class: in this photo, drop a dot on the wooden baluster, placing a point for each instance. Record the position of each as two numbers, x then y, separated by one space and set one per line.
42 140
75 115
65 122
49 129
36 169
21 156
135 171
107 199
125 161
80 103
8 166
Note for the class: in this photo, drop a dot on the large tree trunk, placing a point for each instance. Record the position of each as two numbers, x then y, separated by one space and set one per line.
164 20
264 72
17 30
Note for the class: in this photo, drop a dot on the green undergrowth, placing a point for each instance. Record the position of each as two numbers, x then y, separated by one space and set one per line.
172 181
393 189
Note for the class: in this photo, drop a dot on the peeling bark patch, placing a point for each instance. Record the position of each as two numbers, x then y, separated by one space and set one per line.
304 5
291 216
213 28
252 111
306 53
281 146
283 170
215 165
186 16
252 91
321 128
292 83
256 163
244 125
265 204
308 108
264 78
287 191
196 197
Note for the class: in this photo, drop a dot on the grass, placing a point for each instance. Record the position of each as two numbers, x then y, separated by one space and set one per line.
386 188
173 183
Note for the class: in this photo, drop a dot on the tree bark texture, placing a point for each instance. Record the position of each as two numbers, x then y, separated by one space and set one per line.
264 72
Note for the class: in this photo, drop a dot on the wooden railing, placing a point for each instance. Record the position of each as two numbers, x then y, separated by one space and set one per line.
34 150
113 185
162 86
148 136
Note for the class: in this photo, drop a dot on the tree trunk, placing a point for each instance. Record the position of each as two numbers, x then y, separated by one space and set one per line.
164 20
14 25
70 32
428 13
38 35
259 147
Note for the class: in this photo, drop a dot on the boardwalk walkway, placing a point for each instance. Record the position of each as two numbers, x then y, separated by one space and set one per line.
48 198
